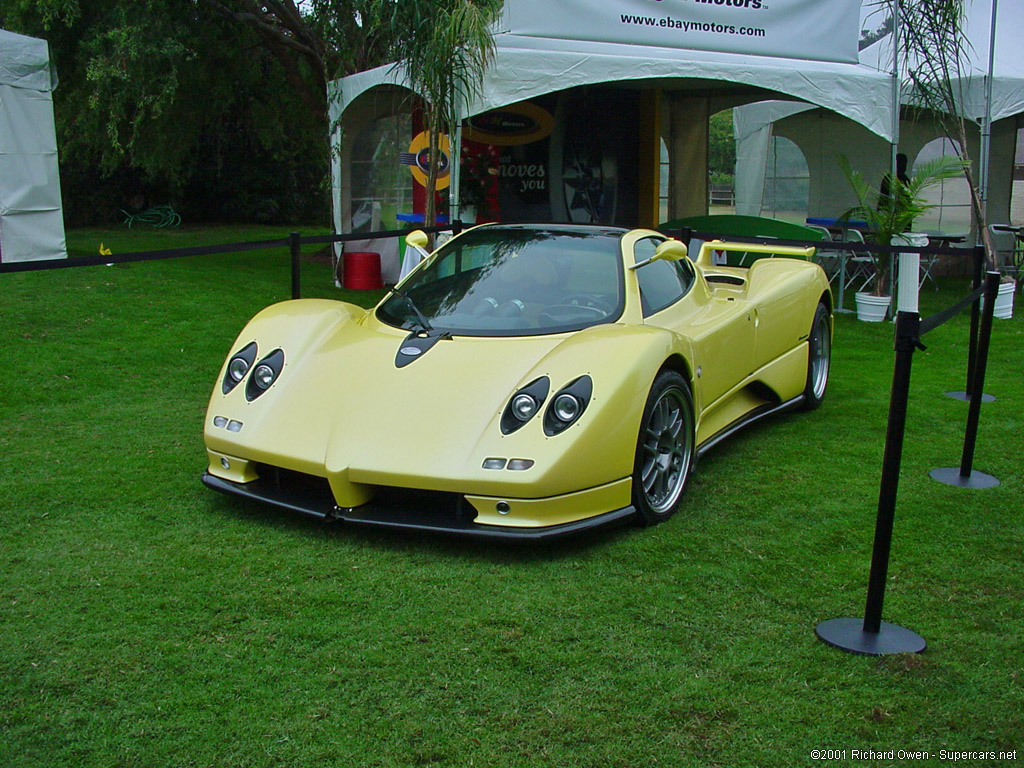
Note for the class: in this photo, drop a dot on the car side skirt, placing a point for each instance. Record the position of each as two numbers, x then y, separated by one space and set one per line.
409 516
749 418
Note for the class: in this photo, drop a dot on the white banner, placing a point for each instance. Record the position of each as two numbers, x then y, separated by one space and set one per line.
819 30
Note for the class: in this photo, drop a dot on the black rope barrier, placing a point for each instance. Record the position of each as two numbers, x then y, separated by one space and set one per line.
133 256
293 242
949 313
871 635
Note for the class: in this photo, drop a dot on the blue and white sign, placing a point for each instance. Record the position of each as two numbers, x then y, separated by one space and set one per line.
818 30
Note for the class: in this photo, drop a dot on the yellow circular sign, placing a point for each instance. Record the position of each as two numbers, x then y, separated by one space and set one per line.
418 158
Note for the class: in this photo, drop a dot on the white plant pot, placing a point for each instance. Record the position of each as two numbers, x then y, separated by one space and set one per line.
872 309
1003 306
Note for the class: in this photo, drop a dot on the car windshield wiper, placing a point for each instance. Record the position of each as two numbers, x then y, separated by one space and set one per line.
426 326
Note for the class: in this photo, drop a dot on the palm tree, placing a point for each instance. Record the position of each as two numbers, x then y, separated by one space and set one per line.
891 214
934 48
444 60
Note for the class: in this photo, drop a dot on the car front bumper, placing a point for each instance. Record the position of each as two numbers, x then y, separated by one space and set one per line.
433 512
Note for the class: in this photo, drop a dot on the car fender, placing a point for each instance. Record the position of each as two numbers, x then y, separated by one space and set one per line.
622 361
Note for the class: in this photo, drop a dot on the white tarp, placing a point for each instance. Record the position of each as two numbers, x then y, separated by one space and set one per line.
526 67
821 30
31 217
1008 64
753 122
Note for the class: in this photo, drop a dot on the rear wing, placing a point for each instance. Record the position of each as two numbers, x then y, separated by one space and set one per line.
705 258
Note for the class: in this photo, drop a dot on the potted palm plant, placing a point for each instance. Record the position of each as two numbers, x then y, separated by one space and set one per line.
889 212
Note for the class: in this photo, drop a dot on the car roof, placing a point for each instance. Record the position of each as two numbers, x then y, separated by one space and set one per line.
594 229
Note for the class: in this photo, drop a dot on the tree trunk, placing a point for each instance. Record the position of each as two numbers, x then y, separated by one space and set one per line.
434 132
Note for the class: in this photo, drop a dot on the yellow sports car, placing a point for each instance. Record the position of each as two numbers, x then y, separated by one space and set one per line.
525 381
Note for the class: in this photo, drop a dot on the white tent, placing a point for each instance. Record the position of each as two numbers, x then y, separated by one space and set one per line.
821 138
548 46
31 219
526 67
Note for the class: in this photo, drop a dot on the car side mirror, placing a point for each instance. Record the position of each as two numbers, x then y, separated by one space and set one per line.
671 250
417 238
668 250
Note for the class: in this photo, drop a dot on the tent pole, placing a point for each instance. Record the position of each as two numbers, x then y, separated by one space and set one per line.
896 96
455 172
986 120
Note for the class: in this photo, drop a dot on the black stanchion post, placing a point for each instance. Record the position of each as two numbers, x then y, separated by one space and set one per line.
456 227
295 242
872 636
966 477
972 346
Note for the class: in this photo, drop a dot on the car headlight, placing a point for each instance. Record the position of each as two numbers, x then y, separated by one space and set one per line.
566 408
264 374
568 405
238 366
524 405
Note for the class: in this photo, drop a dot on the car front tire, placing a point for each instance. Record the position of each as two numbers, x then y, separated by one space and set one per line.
665 449
819 358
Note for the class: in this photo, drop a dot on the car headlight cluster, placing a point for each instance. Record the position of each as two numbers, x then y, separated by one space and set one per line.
568 405
238 366
563 411
261 375
524 405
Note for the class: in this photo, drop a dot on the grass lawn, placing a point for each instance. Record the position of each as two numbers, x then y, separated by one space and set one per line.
146 621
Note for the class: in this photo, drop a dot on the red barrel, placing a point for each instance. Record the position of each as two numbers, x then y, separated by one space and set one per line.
362 271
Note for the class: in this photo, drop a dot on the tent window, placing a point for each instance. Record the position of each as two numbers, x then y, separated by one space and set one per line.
787 182
1017 195
381 186
951 198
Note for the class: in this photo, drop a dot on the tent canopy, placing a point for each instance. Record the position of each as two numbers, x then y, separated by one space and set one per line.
1007 65
31 219
526 67
753 122
25 62
807 53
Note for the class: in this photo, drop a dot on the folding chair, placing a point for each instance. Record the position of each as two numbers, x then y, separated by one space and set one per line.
830 260
860 267
928 262
1008 240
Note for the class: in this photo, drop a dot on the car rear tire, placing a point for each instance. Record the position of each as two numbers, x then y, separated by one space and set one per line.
665 449
819 358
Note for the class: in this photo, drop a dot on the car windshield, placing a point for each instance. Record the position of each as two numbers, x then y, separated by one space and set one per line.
514 281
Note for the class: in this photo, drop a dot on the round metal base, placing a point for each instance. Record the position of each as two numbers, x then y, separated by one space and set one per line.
952 476
849 635
961 395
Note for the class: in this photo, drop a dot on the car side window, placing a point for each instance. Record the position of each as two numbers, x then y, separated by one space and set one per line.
662 283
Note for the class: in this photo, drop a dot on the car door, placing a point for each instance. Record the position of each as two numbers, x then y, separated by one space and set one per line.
722 329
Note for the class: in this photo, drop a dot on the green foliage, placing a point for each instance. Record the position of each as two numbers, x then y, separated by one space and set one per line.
934 51
219 106
444 54
166 101
720 177
892 214
148 622
721 146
